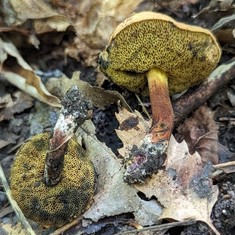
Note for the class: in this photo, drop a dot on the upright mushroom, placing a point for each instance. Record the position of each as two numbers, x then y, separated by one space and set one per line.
170 56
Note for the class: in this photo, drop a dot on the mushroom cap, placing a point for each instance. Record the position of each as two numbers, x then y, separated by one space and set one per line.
57 205
187 54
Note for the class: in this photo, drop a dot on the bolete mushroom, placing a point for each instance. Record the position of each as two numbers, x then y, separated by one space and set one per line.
61 203
170 56
52 178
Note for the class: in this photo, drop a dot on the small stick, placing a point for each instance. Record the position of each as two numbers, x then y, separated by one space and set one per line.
74 111
67 226
191 100
14 205
224 165
143 107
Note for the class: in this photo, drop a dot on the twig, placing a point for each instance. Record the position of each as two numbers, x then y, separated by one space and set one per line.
158 229
227 167
224 165
67 226
191 100
14 205
143 107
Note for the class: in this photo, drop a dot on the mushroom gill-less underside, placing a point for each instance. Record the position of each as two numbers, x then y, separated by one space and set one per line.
57 205
186 55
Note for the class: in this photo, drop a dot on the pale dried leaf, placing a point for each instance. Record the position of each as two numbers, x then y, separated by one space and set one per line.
113 196
98 20
15 103
4 143
132 129
18 72
98 96
57 23
184 187
200 131
14 229
44 17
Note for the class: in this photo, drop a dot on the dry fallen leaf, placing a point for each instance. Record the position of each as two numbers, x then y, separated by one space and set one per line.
98 96
184 188
17 71
224 29
16 229
98 20
113 196
44 18
200 131
15 103
132 129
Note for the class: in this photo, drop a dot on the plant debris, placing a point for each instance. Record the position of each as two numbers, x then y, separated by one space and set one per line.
48 46
201 134
184 187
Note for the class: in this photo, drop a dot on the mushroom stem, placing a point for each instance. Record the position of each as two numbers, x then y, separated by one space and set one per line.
162 112
146 159
75 110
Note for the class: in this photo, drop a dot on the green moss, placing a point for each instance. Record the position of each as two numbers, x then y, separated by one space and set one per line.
51 206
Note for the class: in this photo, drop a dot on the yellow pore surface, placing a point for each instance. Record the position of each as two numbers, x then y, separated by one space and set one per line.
51 206
187 54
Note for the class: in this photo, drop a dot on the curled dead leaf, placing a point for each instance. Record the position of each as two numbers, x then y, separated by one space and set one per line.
98 20
15 103
18 72
200 131
44 18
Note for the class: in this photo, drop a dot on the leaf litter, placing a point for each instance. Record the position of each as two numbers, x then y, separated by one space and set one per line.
184 187
19 73
113 196
87 27
200 131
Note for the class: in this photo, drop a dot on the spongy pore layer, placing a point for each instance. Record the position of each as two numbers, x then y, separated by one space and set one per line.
57 205
187 54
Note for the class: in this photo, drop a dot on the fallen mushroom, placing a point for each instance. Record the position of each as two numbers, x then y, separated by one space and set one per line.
52 179
170 56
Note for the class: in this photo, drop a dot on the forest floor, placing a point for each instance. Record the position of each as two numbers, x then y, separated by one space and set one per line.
59 38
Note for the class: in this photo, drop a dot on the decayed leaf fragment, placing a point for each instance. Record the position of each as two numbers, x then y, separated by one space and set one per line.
200 131
98 96
184 187
16 229
133 127
113 196
14 103
18 72
97 21
44 18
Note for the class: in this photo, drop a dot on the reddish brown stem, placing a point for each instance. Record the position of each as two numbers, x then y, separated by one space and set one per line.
162 113
145 159
74 112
